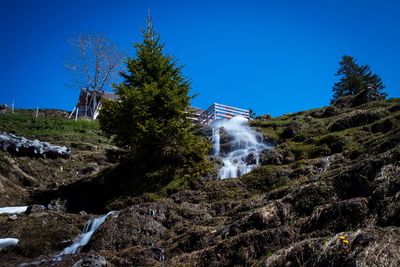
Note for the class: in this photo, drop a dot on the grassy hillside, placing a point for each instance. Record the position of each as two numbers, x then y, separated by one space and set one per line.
334 172
21 175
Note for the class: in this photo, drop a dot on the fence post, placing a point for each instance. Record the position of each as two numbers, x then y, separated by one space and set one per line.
37 112
76 114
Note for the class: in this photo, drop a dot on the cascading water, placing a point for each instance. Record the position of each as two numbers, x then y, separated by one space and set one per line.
241 154
84 238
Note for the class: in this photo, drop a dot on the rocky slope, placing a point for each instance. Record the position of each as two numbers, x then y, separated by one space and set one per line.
327 195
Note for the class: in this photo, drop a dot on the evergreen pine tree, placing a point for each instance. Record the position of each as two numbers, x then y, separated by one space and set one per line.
151 120
355 78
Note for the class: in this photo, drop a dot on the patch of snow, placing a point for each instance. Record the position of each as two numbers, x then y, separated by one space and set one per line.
13 210
6 242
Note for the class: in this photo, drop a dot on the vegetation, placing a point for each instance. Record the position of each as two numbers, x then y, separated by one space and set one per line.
151 121
354 78
51 128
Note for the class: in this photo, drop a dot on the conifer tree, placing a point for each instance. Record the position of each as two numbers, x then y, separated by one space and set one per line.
354 78
151 120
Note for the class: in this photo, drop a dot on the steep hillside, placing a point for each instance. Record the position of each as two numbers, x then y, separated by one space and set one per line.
326 195
20 175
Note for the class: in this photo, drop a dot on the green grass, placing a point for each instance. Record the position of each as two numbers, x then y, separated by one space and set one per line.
52 129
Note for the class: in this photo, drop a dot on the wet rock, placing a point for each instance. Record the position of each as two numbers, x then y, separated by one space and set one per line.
92 261
251 159
35 209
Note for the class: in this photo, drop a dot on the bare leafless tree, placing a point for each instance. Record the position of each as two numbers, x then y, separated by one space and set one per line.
95 60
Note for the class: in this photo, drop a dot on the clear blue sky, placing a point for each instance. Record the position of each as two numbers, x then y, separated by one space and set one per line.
273 56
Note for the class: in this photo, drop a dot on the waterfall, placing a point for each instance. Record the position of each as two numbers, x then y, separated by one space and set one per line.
84 238
241 154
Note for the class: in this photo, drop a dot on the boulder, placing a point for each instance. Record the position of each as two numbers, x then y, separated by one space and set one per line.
251 159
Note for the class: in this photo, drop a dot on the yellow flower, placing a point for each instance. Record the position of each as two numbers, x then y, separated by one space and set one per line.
345 241
342 237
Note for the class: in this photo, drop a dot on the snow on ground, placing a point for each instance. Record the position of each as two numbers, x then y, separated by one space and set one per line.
13 210
5 242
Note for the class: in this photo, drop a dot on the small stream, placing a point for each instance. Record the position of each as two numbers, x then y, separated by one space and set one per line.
84 238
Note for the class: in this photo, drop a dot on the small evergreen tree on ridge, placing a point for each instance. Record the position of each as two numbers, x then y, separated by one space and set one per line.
354 78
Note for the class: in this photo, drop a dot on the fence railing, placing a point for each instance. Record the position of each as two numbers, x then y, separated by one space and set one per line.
219 111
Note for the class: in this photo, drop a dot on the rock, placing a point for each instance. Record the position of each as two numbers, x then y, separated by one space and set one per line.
88 170
58 205
92 261
251 159
271 157
35 209
13 217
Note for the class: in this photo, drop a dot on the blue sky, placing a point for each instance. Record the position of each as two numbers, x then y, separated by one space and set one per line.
273 56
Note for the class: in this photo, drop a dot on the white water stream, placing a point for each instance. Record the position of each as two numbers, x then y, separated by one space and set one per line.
245 147
84 238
